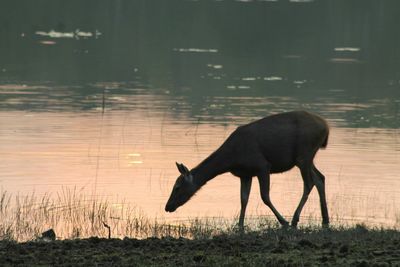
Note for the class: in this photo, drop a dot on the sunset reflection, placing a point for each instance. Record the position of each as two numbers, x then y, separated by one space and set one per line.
62 149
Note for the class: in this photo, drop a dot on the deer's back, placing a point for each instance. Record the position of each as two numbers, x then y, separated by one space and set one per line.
282 140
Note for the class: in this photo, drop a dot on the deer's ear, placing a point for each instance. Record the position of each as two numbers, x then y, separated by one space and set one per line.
185 169
179 167
182 168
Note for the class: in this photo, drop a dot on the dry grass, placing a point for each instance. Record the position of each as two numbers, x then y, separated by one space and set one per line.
75 214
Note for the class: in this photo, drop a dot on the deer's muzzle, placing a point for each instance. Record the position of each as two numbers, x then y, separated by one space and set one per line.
169 208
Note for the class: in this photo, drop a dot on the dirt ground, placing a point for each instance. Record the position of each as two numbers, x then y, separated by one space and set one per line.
354 247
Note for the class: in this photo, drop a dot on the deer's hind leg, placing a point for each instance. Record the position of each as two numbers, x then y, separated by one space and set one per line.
319 181
245 187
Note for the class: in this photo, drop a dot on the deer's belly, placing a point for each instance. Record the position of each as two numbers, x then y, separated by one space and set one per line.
244 172
281 168
281 164
252 165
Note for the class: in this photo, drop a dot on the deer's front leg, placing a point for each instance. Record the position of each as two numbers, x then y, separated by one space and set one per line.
263 179
307 187
245 186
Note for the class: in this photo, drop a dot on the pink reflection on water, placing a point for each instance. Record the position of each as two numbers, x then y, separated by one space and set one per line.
133 155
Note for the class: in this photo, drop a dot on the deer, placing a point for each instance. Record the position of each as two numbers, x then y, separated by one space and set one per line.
274 144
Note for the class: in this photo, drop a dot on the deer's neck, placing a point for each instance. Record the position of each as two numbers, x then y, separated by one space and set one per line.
209 168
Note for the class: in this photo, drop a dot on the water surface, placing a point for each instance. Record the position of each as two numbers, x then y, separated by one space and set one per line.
128 149
106 96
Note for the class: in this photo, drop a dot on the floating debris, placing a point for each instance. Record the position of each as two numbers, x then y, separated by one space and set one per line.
347 49
77 34
195 50
273 78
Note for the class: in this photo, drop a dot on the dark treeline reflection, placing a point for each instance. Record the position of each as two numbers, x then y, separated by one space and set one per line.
340 51
331 41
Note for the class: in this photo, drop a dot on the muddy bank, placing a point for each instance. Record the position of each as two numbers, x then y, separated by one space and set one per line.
354 247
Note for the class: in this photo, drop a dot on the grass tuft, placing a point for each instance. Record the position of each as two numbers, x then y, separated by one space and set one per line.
72 214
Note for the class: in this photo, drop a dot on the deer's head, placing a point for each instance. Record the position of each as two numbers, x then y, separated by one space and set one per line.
183 189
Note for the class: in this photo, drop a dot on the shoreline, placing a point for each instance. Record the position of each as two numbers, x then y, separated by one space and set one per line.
358 246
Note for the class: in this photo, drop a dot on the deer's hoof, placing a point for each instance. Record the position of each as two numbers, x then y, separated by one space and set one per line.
285 225
325 225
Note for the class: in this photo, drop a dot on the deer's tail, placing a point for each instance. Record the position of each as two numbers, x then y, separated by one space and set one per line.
325 143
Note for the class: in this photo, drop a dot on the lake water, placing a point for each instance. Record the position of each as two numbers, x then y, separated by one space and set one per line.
129 151
106 100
